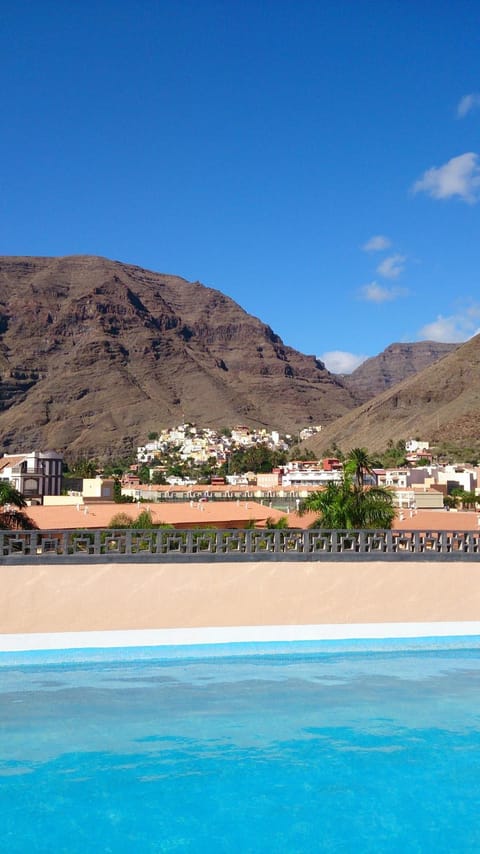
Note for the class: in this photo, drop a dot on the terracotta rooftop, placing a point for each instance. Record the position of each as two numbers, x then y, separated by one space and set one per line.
421 520
229 514
221 514
5 462
437 520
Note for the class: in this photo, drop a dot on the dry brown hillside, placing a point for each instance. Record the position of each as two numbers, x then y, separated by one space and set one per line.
441 403
395 364
94 354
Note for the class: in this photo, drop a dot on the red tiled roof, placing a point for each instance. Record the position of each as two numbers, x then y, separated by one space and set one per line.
222 514
437 520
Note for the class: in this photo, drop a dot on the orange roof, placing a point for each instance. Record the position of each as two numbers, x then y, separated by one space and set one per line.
223 514
5 462
437 520
421 520
305 521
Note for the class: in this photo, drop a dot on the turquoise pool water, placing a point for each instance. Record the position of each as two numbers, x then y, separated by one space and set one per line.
344 751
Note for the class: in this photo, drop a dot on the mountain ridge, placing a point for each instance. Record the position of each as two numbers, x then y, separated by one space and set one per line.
394 364
440 404
94 354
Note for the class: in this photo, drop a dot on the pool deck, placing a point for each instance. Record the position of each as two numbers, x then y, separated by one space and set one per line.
55 606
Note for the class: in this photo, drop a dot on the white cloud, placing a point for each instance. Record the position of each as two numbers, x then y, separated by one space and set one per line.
374 292
340 362
467 104
392 266
460 176
454 328
377 243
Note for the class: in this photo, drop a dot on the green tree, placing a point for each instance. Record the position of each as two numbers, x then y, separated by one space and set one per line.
10 495
280 524
296 453
117 494
144 474
449 501
470 499
120 520
177 470
84 467
12 504
466 499
116 467
258 458
358 463
347 505
394 454
143 522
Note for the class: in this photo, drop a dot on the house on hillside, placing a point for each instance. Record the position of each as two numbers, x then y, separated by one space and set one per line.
34 474
413 446
331 464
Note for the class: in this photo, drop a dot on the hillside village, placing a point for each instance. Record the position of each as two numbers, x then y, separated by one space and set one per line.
420 483
204 444
212 449
262 497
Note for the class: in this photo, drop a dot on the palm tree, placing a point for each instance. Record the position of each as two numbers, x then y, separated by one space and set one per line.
331 504
346 505
372 508
359 463
12 504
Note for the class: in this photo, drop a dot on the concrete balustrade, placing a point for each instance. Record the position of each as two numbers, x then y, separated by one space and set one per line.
236 544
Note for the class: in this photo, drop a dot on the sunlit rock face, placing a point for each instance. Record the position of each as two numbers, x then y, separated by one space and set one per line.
94 354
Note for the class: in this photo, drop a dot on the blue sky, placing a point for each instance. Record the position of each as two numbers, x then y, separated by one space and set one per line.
315 161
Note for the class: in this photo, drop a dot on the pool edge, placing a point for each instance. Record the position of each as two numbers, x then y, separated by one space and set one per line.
233 640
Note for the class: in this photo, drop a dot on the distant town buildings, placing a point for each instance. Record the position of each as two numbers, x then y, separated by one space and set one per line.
420 484
202 444
415 445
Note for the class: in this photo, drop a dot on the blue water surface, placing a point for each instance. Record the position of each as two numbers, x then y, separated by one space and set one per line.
346 751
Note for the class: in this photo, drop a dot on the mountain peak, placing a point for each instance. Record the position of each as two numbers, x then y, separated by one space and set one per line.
94 354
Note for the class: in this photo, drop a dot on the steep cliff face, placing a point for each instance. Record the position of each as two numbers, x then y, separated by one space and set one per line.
393 365
94 354
441 403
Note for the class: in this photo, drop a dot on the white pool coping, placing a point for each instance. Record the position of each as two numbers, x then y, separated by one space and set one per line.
233 635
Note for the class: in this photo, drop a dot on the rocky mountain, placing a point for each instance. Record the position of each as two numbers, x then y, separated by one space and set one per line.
95 354
441 403
393 365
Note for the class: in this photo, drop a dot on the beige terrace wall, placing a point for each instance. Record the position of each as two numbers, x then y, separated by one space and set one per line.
62 500
61 598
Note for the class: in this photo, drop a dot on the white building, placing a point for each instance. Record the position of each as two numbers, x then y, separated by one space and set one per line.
311 478
34 474
412 446
399 478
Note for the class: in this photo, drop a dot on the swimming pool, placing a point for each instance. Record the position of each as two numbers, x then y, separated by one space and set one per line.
362 751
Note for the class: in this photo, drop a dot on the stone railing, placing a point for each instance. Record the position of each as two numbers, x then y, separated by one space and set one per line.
249 544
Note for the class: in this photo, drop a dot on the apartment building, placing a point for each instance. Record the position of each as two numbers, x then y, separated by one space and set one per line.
34 474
